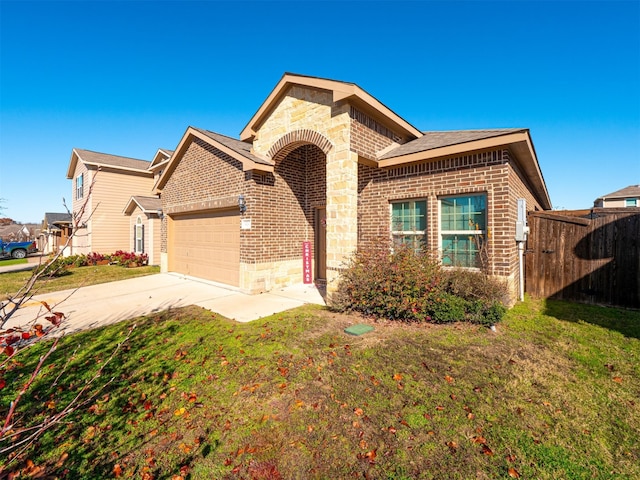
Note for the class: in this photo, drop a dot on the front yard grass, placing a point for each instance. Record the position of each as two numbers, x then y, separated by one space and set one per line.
553 394
11 282
12 261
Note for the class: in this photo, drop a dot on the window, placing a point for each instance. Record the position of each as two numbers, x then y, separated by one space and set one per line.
409 223
79 186
463 225
631 202
139 236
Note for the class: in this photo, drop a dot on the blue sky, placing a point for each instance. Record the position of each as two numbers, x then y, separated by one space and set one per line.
128 77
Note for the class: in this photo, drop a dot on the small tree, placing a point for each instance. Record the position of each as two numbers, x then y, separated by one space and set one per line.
16 433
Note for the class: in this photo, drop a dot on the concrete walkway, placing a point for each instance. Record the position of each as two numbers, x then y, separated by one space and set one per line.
97 305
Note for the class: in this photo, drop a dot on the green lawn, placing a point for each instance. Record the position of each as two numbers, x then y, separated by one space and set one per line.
12 261
12 282
553 394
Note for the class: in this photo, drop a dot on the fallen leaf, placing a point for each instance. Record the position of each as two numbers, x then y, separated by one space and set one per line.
117 470
513 473
448 378
453 446
62 459
180 411
371 456
486 450
479 439
397 377
617 379
358 411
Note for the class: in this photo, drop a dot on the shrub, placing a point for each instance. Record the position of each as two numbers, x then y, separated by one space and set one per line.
94 257
129 258
447 308
401 284
485 295
397 284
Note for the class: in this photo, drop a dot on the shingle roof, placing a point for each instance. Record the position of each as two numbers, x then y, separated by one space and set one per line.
238 146
52 218
106 159
432 140
148 203
630 191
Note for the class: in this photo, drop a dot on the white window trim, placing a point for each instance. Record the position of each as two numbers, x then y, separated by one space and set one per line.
415 233
80 189
442 232
138 237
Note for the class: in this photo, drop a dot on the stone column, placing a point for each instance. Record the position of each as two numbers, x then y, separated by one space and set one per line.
342 210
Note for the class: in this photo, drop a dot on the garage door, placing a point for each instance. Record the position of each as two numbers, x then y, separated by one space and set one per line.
206 245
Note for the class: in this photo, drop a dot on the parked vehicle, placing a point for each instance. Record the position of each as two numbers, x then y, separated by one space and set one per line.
17 249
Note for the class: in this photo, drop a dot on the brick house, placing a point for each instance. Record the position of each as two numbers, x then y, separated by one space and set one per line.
324 167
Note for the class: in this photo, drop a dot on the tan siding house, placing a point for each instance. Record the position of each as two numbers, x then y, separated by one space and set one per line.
143 214
322 169
102 186
628 197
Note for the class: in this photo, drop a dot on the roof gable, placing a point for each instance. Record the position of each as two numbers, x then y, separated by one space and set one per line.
161 157
340 91
97 159
146 204
241 151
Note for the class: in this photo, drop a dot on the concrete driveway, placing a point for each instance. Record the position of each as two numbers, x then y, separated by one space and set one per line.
97 305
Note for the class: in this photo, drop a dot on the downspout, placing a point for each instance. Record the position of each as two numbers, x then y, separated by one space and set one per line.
522 230
521 268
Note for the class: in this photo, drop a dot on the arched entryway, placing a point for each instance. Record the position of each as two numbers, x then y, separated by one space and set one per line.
301 180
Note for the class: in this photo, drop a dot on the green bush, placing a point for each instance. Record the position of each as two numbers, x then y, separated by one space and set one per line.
394 284
401 284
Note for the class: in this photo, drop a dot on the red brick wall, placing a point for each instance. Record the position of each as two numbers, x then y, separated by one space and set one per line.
518 188
203 173
485 172
369 136
282 206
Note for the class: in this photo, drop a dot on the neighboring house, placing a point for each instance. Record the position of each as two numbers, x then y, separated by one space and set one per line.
145 226
627 197
324 168
16 232
102 186
54 233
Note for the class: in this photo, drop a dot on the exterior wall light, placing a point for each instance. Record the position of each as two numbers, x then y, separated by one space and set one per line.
242 203
160 213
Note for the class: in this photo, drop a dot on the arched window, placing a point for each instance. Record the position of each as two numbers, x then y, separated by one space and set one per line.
138 236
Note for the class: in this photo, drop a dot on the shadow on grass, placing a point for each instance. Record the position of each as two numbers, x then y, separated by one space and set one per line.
627 322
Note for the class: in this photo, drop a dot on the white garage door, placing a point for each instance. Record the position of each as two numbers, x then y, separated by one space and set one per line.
206 245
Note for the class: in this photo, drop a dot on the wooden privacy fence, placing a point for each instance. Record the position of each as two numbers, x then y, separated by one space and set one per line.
590 256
